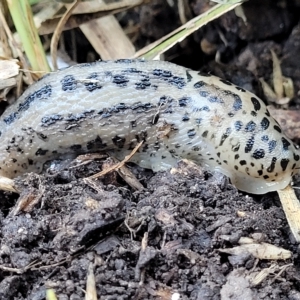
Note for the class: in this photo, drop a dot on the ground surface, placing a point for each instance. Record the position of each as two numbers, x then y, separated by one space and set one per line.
164 239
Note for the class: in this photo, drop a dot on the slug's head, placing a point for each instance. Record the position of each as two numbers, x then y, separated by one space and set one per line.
274 173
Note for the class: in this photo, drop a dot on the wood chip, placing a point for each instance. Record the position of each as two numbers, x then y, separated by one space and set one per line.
291 207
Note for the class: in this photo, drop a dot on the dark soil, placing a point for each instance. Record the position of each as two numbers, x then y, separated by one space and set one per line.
164 239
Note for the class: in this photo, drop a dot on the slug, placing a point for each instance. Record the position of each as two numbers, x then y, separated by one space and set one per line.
177 112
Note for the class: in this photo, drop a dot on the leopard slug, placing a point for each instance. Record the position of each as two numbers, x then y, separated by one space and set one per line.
177 112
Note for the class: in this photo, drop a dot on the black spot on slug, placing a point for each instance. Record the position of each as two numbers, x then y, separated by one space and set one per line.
191 133
189 77
204 134
167 76
264 138
240 89
185 118
141 136
204 74
120 80
236 147
11 118
30 161
250 127
264 123
271 168
272 146
237 104
256 103
237 156
96 144
162 73
266 176
258 153
145 147
179 82
68 83
184 101
50 120
285 144
92 82
198 121
260 172
215 99
156 146
296 157
243 162
249 144
140 107
277 128
204 108
43 93
225 135
40 152
119 141
124 61
75 147
199 84
204 94
238 125
144 83
133 123
42 136
225 82
284 162
132 70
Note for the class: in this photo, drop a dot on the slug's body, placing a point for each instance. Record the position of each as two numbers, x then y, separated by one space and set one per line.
177 112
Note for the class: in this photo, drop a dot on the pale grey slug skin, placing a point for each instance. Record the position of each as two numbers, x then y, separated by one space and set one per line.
177 112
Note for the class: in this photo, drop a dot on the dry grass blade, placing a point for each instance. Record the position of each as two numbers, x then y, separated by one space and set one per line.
162 45
11 41
46 13
91 293
130 178
58 31
268 91
50 294
277 76
291 207
23 21
107 45
118 165
7 184
94 10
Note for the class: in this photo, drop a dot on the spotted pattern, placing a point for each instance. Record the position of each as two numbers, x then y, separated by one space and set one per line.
176 112
68 83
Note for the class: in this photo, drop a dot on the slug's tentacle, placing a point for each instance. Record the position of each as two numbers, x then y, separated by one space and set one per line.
177 112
